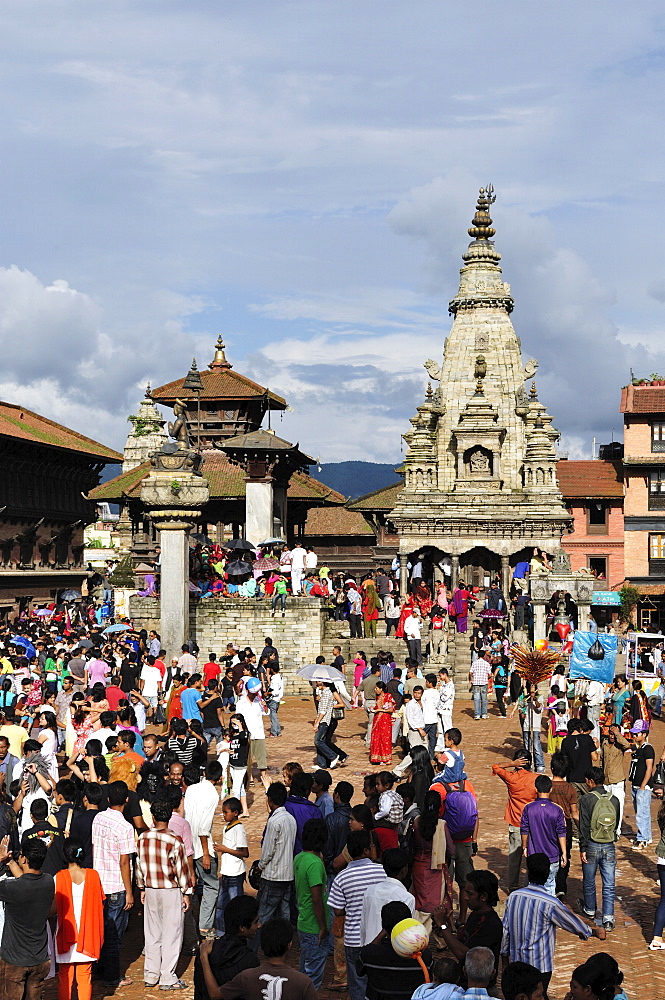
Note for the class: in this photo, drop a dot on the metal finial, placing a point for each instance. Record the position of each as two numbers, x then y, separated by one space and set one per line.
481 227
148 391
533 393
429 392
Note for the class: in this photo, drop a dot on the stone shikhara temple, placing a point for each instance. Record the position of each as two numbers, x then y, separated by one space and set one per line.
480 484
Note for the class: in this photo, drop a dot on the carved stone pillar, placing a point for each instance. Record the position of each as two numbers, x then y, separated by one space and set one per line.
505 576
454 571
174 500
403 575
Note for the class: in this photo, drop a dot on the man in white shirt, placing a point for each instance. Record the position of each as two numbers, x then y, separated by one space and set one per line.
412 630
201 801
150 682
430 704
395 863
311 560
187 662
250 708
415 718
298 557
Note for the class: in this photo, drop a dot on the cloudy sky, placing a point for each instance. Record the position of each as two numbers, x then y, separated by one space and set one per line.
299 176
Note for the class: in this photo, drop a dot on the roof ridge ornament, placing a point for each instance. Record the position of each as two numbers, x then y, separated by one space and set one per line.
219 360
481 226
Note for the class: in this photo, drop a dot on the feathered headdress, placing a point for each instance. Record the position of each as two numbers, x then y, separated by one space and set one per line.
535 665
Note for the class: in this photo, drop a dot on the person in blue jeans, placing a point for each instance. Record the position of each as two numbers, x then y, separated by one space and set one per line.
311 879
234 851
640 775
599 853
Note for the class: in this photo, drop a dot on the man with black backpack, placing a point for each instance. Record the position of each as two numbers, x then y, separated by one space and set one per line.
599 825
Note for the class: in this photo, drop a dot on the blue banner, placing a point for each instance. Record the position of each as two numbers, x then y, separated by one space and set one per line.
593 670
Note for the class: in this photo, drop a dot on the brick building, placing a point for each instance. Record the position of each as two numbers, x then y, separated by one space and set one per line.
593 493
643 408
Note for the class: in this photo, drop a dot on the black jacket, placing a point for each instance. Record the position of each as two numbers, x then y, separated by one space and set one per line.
338 831
229 956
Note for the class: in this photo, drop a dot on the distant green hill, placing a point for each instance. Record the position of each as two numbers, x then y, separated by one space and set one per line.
354 479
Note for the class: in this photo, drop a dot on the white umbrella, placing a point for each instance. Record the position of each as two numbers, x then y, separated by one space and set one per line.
320 672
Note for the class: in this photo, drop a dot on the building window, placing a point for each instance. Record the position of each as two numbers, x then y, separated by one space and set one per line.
596 519
657 546
658 437
598 566
657 489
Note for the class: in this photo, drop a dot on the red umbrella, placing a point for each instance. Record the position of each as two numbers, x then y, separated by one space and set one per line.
265 564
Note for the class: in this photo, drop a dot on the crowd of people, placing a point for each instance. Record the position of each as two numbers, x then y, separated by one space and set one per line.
114 764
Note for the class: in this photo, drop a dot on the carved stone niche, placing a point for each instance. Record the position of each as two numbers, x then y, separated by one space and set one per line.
479 463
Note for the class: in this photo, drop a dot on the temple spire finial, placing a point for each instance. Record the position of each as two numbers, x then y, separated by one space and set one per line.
481 227
219 360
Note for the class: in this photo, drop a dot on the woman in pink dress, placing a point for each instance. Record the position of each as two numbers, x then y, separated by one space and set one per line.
360 661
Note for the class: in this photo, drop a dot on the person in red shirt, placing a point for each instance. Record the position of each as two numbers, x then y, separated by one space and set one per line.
114 693
521 783
211 670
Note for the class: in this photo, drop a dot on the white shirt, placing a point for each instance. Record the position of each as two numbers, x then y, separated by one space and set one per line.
414 715
201 801
430 704
151 678
102 735
188 662
595 693
311 560
235 838
298 556
139 712
276 687
413 627
376 896
252 713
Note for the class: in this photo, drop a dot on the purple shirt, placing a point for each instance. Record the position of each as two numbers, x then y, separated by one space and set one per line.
301 809
544 822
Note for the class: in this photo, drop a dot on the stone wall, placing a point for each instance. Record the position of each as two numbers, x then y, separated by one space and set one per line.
214 622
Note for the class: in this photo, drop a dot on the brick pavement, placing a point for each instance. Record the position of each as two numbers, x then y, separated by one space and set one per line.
485 742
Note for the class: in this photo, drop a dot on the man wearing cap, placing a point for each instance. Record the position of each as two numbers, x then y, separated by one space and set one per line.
251 709
640 773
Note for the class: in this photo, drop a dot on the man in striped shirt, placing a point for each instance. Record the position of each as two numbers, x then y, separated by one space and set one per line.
346 897
162 875
531 920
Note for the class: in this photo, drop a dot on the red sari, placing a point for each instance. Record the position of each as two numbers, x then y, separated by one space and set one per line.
381 742
407 607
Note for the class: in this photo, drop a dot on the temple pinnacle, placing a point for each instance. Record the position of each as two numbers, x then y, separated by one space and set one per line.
481 227
219 360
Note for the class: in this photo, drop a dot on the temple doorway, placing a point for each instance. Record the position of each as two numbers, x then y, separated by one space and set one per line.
479 567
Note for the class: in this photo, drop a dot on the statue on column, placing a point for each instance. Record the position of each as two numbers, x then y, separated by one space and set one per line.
178 454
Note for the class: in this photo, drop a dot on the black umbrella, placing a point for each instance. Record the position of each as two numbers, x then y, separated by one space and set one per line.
238 568
201 539
240 544
70 595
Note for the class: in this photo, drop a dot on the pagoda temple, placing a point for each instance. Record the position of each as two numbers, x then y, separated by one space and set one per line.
480 485
46 471
256 479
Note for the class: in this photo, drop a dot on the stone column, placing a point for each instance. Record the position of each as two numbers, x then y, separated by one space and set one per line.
174 500
539 620
454 571
403 575
505 576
